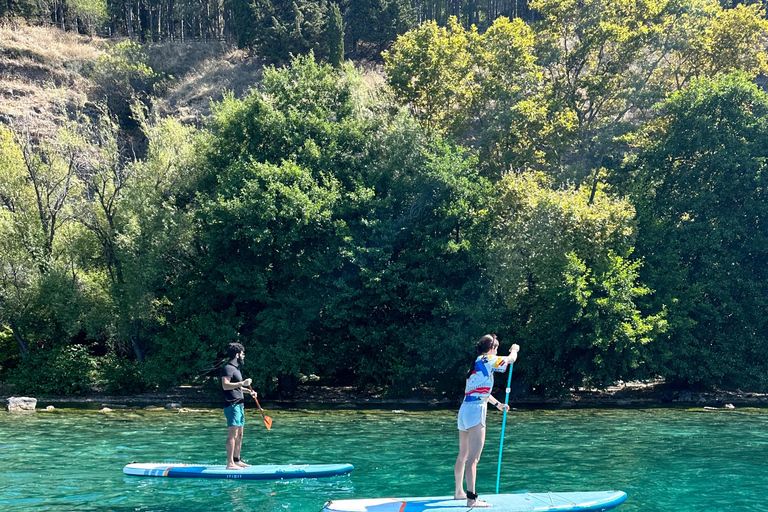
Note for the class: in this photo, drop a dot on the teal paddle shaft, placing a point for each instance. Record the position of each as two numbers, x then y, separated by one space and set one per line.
503 425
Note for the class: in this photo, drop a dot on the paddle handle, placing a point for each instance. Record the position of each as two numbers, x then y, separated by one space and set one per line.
253 394
504 425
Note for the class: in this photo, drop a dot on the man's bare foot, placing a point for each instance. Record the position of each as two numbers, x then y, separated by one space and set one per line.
242 464
234 466
461 496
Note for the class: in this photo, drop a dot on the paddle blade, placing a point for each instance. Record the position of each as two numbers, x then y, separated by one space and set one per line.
268 422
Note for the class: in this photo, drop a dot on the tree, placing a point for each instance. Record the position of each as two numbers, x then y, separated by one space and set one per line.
123 74
290 27
335 37
375 24
40 296
699 184
324 210
433 69
484 90
563 268
244 22
608 63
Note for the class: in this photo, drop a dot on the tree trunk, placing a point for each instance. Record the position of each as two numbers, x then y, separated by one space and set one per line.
137 350
23 345
129 18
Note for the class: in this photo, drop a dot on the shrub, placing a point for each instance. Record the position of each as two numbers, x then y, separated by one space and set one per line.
66 370
123 73
121 376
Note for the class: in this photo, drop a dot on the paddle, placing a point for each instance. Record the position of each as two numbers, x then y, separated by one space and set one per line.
504 424
267 419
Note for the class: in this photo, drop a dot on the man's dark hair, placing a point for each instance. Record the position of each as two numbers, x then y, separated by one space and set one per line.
233 349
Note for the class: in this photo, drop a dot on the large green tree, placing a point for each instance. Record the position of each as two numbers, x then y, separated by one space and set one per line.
331 227
484 90
700 189
564 269
609 62
290 27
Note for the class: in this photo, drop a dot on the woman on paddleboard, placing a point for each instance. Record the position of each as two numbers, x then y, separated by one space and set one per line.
477 396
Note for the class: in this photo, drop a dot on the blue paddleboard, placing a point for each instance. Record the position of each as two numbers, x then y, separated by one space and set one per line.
261 472
527 502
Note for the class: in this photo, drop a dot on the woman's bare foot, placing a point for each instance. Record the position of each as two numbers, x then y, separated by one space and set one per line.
474 501
234 466
461 496
242 464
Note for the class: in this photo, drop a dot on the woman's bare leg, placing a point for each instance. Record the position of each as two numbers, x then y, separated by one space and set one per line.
461 462
476 441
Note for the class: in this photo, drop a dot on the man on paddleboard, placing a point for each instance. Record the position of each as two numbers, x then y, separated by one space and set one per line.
232 383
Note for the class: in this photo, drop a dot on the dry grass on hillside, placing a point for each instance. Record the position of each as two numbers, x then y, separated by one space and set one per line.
51 44
43 75
40 74
204 72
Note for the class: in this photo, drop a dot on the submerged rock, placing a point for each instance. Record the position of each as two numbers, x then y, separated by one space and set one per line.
20 403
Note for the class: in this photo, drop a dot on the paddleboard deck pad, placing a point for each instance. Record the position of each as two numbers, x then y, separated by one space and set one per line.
527 502
261 472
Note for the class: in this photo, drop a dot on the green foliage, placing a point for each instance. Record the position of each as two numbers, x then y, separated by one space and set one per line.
324 210
561 264
335 37
609 62
375 24
284 28
699 184
9 353
432 68
27 9
122 74
120 376
334 231
243 22
91 13
59 369
484 89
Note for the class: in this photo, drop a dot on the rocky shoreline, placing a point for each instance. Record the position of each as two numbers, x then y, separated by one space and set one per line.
623 395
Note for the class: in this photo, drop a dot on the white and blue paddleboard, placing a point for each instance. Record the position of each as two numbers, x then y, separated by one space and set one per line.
527 502
261 472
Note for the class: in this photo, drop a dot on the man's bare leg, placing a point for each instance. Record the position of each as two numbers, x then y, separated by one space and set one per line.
231 445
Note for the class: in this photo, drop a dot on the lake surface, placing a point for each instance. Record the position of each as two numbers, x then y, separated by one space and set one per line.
680 460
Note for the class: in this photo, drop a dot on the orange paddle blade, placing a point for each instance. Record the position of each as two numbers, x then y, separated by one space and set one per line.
267 419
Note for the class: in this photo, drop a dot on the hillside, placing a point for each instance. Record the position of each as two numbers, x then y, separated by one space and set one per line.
46 73
42 74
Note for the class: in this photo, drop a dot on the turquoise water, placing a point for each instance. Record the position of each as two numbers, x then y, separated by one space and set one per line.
665 459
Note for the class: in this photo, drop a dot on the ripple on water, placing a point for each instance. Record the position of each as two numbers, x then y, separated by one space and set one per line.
668 460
